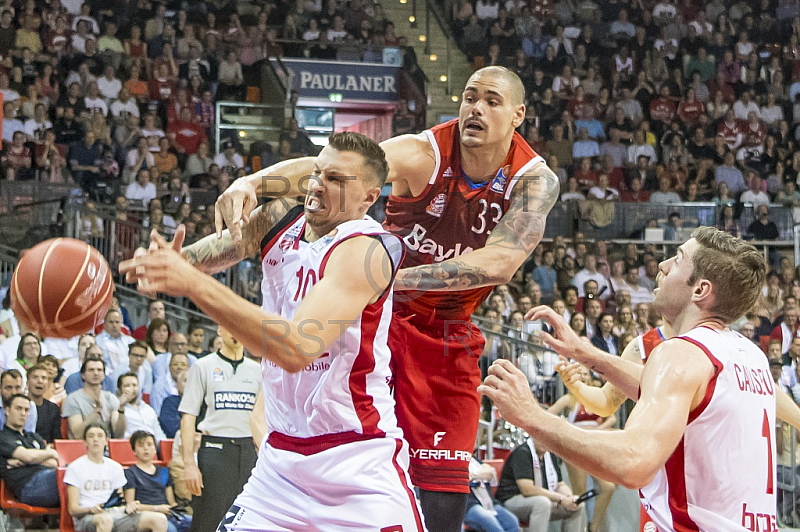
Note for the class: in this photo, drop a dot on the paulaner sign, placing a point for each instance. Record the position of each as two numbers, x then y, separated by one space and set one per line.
355 81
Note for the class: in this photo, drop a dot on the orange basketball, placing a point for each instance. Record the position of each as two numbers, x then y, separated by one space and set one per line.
61 288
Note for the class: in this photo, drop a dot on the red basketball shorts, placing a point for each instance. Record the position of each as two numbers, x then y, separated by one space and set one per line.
436 375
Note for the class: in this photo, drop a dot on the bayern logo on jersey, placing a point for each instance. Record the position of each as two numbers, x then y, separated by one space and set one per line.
289 238
286 243
436 208
499 181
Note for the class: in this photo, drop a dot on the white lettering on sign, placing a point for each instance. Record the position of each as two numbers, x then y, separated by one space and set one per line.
339 82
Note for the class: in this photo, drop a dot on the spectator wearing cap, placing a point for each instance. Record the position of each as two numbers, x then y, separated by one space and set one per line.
228 160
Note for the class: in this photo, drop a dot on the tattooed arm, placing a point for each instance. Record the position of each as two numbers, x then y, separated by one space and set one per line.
512 241
212 255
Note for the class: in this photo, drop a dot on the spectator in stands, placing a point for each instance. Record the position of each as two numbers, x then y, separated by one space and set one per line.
664 194
142 190
300 144
532 489
157 336
638 293
55 389
138 414
592 309
138 365
17 161
113 341
28 351
84 158
605 339
48 423
755 193
91 482
166 385
200 162
150 486
762 228
11 384
590 272
230 79
27 466
228 160
184 134
170 417
177 344
91 404
155 309
639 147
483 511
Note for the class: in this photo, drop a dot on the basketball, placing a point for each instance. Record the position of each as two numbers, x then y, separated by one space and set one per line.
61 288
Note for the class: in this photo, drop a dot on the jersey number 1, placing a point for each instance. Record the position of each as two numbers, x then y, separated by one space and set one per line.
766 431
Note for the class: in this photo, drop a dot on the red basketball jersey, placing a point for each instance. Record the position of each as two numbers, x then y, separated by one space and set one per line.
649 341
454 215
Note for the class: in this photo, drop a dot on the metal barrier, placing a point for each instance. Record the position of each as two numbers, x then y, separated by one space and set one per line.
629 220
788 483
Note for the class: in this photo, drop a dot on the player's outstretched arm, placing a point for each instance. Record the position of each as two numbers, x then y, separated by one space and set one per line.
619 371
512 241
786 409
335 301
212 255
286 179
671 383
603 401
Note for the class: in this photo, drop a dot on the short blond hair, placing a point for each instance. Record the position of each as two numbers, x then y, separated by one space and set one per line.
735 268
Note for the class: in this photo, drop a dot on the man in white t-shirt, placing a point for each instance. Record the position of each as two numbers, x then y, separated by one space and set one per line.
141 189
91 482
36 126
108 85
124 105
590 272
94 101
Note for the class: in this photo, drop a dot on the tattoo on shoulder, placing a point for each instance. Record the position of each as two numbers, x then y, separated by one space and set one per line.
522 226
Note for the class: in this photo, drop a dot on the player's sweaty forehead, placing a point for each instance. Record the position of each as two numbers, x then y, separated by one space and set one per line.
502 82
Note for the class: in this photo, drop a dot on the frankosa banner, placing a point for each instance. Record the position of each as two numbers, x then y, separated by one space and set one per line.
353 81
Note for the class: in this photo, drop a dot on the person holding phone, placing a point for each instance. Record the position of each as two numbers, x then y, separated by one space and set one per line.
531 488
579 416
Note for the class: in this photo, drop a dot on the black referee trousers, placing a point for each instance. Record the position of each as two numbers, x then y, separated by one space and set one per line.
226 464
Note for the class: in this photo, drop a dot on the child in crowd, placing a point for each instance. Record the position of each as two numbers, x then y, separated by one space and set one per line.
150 486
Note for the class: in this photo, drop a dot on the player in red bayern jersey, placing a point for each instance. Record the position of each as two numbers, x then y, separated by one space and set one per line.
469 198
698 445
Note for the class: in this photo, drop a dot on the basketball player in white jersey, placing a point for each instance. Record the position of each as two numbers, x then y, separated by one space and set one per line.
623 373
698 445
334 457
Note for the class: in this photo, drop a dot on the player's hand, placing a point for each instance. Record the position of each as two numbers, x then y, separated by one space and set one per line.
508 388
570 374
159 242
233 207
563 340
194 479
163 270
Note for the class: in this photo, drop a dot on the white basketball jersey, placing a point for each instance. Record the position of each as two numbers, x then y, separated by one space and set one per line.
721 476
344 394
